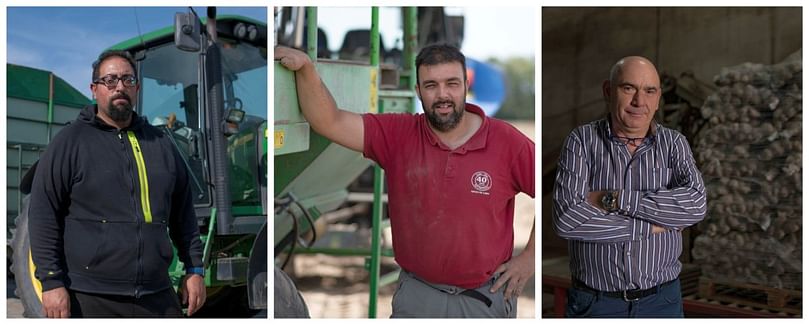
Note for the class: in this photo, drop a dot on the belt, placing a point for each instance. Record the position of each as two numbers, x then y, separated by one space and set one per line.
626 295
472 293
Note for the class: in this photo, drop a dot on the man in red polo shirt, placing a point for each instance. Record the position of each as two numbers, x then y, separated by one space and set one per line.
452 174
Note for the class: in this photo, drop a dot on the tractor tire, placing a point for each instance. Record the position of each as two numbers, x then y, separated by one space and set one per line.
29 289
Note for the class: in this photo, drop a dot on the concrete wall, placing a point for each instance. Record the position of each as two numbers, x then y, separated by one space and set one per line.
579 46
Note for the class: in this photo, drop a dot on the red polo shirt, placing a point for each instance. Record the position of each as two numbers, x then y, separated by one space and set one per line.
451 211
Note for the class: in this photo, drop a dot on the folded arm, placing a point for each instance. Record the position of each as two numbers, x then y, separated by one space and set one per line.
681 206
575 218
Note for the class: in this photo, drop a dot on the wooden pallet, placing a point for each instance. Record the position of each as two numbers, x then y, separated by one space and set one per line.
695 306
745 294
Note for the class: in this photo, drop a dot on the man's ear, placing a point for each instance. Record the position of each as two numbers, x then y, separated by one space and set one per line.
418 91
605 90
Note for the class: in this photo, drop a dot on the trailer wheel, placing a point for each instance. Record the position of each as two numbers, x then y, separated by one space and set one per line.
29 289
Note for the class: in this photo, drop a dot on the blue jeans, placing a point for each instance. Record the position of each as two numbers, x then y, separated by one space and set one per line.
666 303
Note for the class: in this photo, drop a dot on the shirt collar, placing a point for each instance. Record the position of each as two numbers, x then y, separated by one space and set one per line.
477 141
651 135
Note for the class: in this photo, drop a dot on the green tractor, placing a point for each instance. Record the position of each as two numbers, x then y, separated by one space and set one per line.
206 87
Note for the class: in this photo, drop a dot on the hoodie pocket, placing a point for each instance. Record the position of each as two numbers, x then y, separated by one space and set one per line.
158 251
102 249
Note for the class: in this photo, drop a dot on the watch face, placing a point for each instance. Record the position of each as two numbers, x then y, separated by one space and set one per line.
609 201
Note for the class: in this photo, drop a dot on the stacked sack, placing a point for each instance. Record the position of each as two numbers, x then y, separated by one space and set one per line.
749 152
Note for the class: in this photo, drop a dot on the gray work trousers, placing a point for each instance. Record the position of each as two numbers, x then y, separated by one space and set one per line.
416 298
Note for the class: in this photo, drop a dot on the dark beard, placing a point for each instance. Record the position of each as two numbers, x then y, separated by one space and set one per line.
447 124
120 113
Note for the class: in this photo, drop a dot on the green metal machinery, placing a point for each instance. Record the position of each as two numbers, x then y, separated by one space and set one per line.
205 86
311 174
38 104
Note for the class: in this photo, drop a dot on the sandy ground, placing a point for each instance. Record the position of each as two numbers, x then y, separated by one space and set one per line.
338 287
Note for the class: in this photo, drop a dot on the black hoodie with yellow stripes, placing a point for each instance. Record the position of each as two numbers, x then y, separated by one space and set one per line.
104 204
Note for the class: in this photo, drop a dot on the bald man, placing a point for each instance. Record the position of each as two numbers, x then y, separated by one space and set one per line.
625 189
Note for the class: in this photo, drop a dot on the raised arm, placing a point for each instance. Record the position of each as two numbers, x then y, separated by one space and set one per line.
317 104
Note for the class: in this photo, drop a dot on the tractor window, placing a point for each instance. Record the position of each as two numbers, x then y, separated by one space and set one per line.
169 101
244 73
244 70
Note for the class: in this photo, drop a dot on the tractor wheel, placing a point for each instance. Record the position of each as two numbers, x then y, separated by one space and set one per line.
29 289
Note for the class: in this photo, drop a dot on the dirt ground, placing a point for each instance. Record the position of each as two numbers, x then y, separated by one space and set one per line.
338 287
13 304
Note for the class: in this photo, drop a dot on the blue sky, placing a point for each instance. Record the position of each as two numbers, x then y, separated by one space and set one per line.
499 32
66 40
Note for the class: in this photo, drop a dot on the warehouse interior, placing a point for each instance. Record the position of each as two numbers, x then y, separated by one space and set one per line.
731 82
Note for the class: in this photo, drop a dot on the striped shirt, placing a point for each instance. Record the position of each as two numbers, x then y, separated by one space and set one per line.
659 185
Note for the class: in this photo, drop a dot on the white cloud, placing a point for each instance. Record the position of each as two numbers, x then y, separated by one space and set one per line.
24 56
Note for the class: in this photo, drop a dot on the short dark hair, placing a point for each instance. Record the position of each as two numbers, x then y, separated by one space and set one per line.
440 53
113 53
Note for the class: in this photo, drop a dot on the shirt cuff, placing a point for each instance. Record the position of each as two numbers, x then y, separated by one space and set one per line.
629 202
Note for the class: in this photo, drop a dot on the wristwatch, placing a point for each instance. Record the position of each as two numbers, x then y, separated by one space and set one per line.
195 270
610 201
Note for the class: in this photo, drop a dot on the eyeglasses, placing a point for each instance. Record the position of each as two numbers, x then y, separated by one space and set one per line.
627 140
111 81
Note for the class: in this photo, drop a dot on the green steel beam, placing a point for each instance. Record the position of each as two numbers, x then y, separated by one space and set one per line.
311 32
376 234
374 36
410 48
376 231
209 239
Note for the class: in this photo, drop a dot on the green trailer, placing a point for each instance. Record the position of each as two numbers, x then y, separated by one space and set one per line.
38 105
204 82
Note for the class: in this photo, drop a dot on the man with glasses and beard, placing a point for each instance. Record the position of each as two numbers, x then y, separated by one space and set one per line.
107 195
452 176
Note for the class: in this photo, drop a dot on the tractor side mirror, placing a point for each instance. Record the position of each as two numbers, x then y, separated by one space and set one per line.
187 32
233 117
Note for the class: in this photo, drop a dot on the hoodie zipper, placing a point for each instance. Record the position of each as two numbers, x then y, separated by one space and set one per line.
139 262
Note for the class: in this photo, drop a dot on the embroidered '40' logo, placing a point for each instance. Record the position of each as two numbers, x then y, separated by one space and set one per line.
482 182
